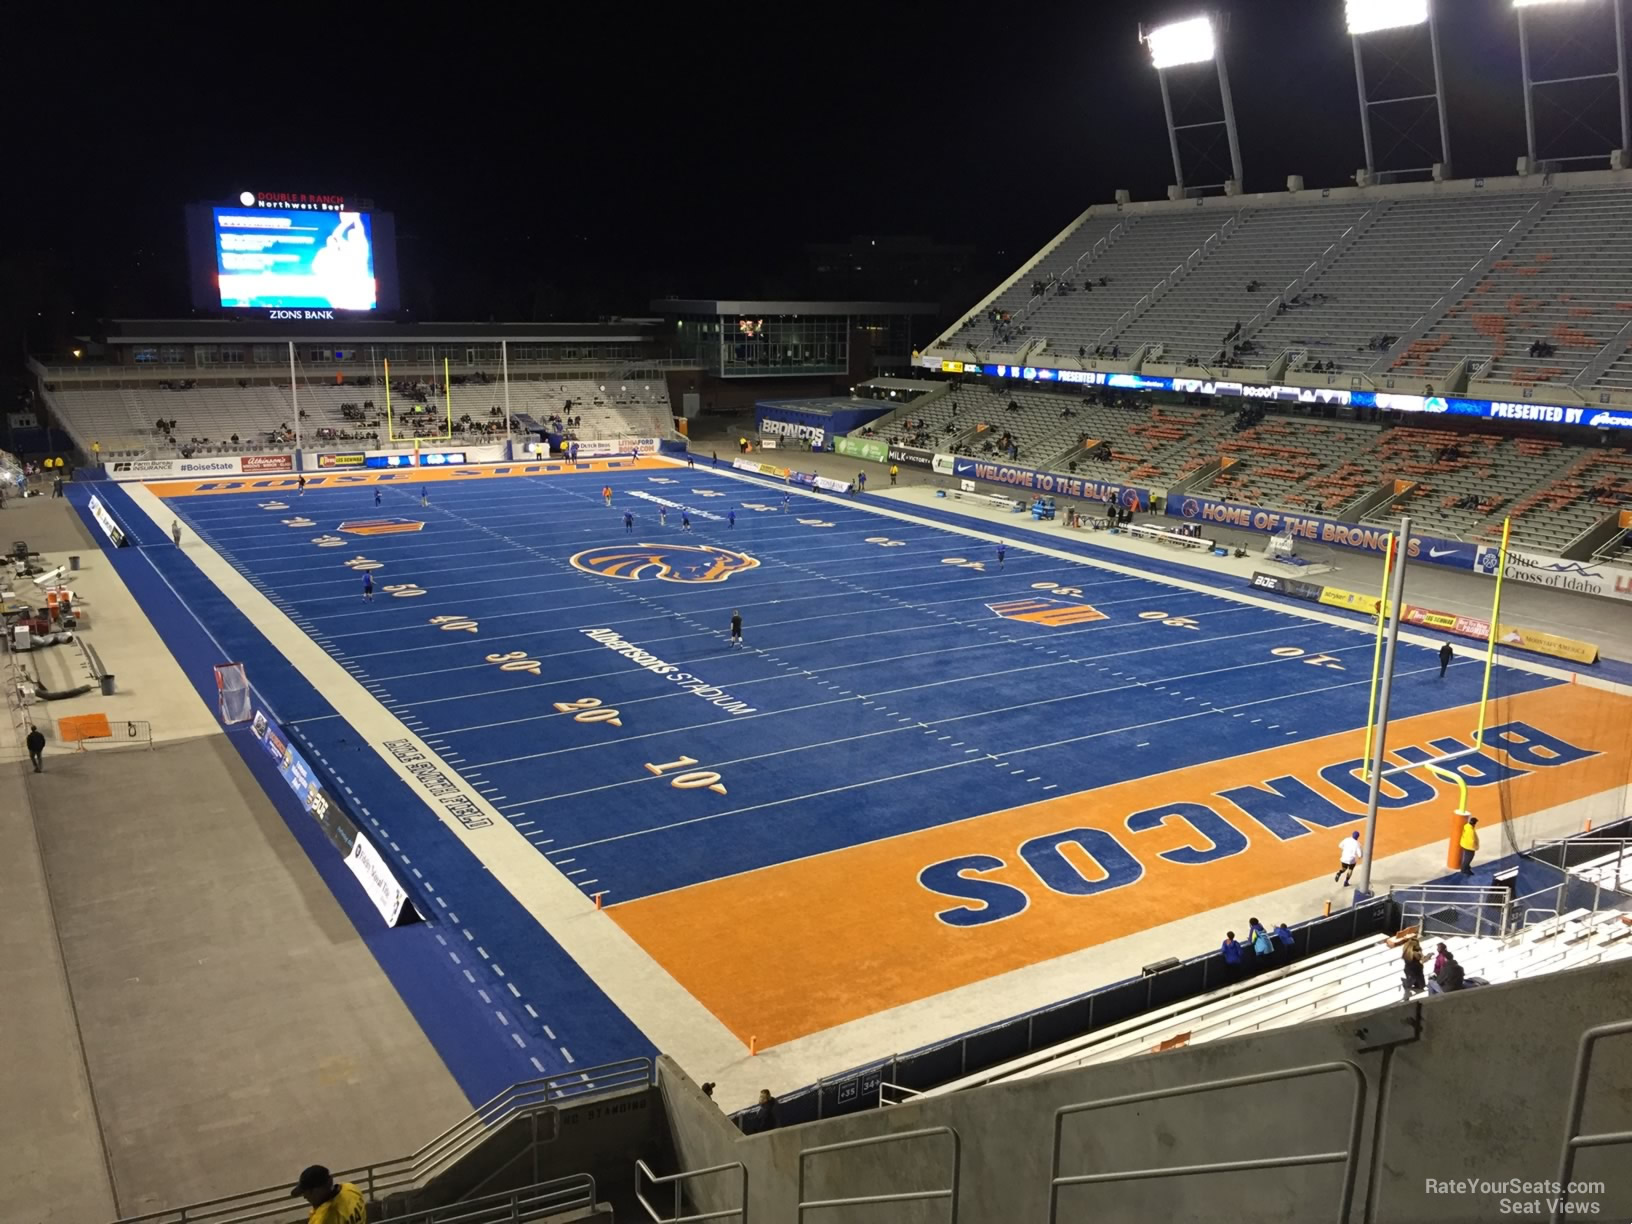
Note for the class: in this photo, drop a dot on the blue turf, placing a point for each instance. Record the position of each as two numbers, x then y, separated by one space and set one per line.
887 696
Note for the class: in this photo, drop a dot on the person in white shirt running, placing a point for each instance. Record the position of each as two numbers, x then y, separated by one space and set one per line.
1349 853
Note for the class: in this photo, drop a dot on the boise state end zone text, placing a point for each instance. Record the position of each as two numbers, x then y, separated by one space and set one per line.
1284 806
442 788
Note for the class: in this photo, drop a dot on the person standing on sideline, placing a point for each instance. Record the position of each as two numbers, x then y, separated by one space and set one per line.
175 532
1232 953
894 472
691 460
1002 551
736 627
1262 945
606 494
368 586
1446 654
716 455
1348 854
331 1203
1470 846
685 520
662 516
731 517
376 496
785 499
36 747
424 495
628 522
765 1112
300 483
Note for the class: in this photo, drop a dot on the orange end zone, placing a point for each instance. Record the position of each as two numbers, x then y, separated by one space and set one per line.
288 482
797 948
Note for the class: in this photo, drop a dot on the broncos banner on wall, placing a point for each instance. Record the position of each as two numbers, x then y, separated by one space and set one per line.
1050 484
1314 529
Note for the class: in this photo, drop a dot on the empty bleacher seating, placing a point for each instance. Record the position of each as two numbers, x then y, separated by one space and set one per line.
1356 977
1549 295
262 417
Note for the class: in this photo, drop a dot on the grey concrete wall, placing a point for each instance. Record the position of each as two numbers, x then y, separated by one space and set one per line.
1481 1095
603 1138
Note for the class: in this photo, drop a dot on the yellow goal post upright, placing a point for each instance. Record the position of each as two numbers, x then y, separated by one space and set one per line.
447 424
1390 607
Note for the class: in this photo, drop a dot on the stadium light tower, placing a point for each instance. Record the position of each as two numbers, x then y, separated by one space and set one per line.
1373 17
1531 84
1181 44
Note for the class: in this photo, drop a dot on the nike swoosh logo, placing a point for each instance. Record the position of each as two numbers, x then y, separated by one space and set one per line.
1441 552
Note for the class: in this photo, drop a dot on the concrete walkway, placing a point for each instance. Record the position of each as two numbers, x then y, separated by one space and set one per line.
188 1012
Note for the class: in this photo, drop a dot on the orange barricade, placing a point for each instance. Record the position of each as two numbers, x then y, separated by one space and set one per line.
78 728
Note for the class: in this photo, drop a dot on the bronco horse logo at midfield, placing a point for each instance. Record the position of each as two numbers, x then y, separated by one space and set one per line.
665 562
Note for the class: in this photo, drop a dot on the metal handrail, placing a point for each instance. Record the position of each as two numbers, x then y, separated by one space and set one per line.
1417 900
1573 1138
899 1092
675 1179
1348 1157
408 1172
529 1203
949 1195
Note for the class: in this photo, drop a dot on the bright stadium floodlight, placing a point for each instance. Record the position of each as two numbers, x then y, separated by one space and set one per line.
1374 16
1181 42
1539 3
1370 16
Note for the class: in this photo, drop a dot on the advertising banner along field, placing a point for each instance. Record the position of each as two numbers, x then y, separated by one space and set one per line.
1538 641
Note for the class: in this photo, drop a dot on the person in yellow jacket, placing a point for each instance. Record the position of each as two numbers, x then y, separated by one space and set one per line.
332 1202
1469 843
894 472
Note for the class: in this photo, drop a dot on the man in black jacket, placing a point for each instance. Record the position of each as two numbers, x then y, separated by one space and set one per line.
1449 976
36 746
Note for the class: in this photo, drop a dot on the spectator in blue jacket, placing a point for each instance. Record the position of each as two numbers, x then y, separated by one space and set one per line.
1231 951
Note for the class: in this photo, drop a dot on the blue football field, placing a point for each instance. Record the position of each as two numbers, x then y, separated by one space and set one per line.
896 677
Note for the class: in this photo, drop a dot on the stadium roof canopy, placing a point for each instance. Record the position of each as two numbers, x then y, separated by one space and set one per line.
701 306
365 331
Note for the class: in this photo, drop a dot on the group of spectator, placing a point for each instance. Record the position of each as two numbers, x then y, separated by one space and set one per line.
1542 348
1448 974
1247 416
1262 948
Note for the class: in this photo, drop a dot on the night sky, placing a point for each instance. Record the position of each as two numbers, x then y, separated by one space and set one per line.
571 163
